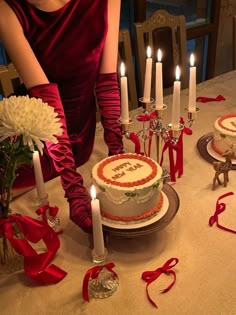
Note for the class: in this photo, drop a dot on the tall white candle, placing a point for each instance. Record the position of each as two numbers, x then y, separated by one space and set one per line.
176 101
159 81
98 241
148 76
192 86
38 176
124 95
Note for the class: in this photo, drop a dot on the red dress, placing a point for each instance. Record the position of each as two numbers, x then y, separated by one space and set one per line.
68 43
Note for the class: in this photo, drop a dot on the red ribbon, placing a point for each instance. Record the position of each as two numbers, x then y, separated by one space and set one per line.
176 167
35 265
135 139
52 211
150 276
220 207
94 273
205 99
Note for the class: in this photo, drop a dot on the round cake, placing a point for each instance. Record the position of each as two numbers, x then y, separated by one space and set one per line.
224 137
128 187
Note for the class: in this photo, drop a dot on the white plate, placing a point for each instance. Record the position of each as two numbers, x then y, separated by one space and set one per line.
216 155
139 224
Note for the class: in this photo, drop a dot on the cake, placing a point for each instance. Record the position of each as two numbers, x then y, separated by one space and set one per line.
224 134
128 187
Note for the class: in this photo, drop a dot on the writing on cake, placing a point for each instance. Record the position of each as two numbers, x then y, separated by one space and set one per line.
125 168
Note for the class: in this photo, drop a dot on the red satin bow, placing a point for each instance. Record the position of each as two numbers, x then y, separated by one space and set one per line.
205 99
93 273
220 207
150 276
35 265
146 116
52 211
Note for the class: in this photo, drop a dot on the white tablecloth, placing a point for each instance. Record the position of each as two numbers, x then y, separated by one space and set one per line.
207 263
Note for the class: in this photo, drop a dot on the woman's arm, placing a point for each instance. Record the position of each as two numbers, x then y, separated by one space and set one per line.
110 51
37 84
18 48
107 86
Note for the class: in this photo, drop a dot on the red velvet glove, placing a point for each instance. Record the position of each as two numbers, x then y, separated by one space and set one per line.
63 161
108 99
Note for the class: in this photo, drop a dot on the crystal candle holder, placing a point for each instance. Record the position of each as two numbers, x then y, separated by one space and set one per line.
42 201
106 283
192 116
175 132
125 126
146 103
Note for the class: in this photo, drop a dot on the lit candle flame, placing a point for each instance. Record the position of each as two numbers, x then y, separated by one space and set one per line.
159 55
122 69
192 60
93 192
149 52
177 73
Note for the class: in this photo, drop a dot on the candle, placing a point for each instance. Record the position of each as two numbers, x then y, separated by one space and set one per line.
98 241
148 77
38 176
192 86
124 96
159 81
176 101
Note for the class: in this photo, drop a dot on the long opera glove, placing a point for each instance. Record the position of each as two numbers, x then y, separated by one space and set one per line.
108 99
63 161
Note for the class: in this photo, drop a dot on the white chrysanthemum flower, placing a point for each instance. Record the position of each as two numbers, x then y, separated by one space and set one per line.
35 120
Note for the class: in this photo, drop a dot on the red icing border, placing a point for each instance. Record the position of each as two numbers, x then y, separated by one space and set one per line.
101 175
145 215
220 121
215 148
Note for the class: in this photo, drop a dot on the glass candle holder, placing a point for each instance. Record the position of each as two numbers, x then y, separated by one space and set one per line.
106 283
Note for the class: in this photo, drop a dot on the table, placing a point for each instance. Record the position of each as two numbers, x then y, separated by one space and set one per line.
207 264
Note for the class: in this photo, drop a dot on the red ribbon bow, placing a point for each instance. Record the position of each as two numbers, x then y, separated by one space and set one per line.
93 273
150 276
205 99
52 211
35 265
220 207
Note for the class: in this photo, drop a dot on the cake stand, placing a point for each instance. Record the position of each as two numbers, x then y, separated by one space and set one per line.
170 212
204 148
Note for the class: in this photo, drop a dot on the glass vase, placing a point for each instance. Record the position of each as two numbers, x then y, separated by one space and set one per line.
10 260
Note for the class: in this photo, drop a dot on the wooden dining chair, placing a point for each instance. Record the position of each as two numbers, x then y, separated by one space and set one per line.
167 32
9 79
234 42
125 54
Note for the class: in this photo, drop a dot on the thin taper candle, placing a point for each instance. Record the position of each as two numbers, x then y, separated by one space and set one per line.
176 101
192 86
159 81
38 176
148 77
98 240
124 96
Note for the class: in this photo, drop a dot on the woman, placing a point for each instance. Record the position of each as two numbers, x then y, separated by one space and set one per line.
64 51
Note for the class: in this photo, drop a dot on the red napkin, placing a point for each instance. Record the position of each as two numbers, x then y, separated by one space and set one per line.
205 99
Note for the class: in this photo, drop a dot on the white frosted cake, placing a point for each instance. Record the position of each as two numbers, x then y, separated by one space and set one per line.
224 137
129 187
